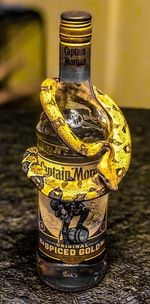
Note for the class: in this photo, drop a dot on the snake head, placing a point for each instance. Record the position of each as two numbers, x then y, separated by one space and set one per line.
107 170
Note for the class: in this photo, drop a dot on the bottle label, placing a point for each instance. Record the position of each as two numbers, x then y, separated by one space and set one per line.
67 171
74 231
74 61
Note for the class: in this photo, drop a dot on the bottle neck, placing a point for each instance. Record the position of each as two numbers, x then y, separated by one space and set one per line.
74 65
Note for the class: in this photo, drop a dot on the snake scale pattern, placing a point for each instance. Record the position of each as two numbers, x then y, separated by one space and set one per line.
114 161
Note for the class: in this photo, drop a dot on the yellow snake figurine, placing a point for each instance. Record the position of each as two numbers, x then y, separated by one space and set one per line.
116 148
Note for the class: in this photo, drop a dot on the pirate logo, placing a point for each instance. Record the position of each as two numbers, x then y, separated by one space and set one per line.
65 211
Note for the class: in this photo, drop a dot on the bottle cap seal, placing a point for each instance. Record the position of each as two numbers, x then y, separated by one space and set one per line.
75 26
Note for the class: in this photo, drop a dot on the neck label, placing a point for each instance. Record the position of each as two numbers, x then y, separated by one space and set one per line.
74 62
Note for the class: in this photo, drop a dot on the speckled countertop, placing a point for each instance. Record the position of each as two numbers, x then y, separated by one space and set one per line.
128 276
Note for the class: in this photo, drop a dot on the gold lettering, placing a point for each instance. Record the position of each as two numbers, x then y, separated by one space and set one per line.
51 247
87 250
46 246
66 251
72 252
60 251
98 246
55 249
81 251
93 249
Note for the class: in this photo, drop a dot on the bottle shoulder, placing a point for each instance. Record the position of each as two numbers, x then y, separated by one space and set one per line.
82 117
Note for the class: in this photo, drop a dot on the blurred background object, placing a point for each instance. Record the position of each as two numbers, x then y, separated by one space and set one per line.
120 44
22 66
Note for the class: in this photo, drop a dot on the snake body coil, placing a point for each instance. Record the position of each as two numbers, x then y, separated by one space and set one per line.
116 148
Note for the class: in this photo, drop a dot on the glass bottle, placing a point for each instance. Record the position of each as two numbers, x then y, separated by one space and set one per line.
71 252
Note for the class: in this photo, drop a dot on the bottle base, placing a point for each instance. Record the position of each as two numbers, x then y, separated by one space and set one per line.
67 277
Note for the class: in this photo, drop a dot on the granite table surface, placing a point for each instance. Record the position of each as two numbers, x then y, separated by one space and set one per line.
128 276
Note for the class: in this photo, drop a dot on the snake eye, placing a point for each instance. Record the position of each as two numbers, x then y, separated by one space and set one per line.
124 129
126 148
120 171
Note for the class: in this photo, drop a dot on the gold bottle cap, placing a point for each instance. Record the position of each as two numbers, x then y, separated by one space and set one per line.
75 26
